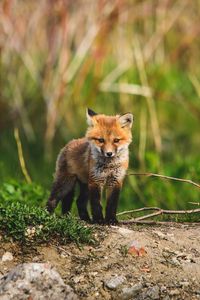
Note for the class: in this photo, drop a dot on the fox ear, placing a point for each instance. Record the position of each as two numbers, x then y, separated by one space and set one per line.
126 120
90 114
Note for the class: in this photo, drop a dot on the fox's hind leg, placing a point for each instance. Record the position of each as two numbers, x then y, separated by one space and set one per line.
82 202
62 189
67 202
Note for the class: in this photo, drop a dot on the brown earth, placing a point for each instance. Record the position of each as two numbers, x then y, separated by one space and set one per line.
170 268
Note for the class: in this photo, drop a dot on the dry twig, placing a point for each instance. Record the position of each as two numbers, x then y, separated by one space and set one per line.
158 211
195 203
145 222
165 177
167 212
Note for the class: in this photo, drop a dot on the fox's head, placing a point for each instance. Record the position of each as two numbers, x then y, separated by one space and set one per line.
109 135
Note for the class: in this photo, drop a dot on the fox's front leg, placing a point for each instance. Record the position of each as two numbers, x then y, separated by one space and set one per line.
95 201
113 193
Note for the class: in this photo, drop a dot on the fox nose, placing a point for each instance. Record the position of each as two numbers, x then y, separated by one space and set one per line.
109 154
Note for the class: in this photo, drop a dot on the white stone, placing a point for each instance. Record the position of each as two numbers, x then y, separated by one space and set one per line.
7 256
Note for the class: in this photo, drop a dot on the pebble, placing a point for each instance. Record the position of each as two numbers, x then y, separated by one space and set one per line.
174 292
153 293
130 292
36 259
163 289
7 256
93 274
184 283
114 282
160 234
78 278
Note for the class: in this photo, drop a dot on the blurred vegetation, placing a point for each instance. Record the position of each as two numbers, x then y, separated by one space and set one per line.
58 57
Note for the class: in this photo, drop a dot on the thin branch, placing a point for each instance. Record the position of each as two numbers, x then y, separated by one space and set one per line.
168 212
159 211
195 203
127 212
145 222
133 221
154 214
166 177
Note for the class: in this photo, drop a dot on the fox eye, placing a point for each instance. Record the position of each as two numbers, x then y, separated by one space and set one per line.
116 140
101 140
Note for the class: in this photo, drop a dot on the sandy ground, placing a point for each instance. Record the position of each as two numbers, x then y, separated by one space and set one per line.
167 267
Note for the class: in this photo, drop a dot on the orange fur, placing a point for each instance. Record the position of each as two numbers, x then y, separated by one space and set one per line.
98 160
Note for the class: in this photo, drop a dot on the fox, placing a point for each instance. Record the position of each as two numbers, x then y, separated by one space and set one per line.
95 162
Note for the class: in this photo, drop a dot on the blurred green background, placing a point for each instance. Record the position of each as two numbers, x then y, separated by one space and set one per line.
59 57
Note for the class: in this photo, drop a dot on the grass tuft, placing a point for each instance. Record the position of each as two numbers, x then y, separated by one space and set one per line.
22 219
34 224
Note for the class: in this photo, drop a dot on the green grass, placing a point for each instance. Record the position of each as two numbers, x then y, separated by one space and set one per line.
23 218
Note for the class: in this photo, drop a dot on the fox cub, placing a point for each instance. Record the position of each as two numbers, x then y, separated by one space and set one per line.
98 160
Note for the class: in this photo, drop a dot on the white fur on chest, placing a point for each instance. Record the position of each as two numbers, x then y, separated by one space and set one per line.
109 170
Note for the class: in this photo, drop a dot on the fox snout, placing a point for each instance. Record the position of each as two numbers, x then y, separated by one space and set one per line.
108 153
108 150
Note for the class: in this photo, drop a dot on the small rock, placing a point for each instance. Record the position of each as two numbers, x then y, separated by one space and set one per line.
160 235
174 292
36 259
34 281
79 278
93 274
114 282
184 283
63 254
7 256
163 289
153 292
174 261
130 292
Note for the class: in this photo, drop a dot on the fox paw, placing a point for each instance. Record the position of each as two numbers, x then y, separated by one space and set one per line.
85 218
111 221
99 221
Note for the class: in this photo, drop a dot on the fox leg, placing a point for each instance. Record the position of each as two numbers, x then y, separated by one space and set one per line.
112 202
66 202
95 197
62 186
82 202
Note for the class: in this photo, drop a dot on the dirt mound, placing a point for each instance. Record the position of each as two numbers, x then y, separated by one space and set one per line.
127 263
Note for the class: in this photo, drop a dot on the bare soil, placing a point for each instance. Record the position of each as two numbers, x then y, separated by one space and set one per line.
170 268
